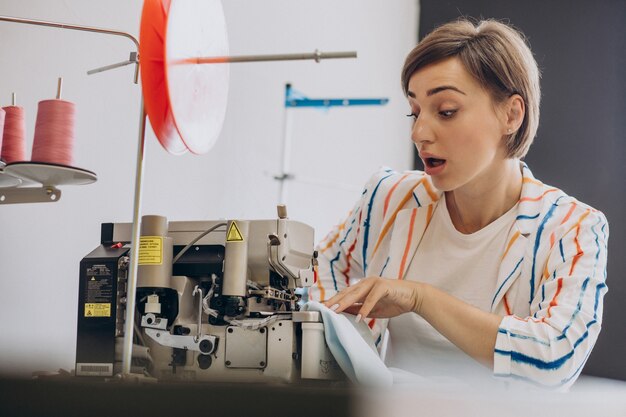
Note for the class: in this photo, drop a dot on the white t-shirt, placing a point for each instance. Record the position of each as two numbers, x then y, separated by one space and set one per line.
465 266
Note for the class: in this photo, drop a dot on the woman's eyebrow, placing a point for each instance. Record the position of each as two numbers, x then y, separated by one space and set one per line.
436 90
439 89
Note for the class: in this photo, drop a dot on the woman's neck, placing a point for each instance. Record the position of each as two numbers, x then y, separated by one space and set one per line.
477 204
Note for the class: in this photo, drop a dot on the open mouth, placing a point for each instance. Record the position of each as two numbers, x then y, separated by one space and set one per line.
434 162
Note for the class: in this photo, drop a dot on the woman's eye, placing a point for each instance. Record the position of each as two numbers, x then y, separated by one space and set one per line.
413 115
447 113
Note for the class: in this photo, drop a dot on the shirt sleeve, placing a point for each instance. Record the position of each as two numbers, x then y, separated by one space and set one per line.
344 253
552 344
340 254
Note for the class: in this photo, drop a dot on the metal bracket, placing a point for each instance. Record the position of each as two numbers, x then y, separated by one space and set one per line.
156 328
274 259
151 321
270 293
133 59
29 195
206 344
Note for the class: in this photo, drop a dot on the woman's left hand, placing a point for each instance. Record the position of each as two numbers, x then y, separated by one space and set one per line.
377 297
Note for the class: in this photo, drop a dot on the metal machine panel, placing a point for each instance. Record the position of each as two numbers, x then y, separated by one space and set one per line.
246 348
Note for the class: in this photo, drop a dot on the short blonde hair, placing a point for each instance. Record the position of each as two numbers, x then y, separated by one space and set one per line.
498 57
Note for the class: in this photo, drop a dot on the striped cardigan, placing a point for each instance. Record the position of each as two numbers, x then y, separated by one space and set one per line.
551 279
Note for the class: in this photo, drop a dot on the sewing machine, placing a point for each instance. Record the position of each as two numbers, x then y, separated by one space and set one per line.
216 300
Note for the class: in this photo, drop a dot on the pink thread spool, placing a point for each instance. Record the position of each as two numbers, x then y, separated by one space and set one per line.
13 143
2 113
54 131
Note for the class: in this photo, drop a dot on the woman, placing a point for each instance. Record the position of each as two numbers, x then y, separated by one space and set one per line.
474 257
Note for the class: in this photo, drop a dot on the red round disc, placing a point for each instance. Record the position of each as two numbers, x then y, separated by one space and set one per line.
185 101
152 65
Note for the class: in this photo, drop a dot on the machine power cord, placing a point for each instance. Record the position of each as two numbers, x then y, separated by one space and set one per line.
193 242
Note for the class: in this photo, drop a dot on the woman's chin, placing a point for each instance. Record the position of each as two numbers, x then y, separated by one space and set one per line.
441 184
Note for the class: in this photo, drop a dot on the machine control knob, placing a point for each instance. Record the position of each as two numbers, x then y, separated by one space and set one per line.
206 346
204 361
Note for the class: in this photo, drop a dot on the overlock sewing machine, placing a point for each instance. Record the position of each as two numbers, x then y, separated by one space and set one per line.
216 301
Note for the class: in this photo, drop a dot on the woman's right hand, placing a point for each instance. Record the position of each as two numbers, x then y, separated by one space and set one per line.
377 297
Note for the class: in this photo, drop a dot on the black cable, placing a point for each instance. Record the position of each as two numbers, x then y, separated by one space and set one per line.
203 234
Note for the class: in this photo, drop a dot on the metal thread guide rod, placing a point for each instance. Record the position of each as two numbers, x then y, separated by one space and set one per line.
131 286
83 29
317 56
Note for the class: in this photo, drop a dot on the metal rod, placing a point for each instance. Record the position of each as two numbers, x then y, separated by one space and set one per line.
59 87
137 71
69 26
131 287
80 28
198 290
317 56
110 67
131 60
285 148
14 99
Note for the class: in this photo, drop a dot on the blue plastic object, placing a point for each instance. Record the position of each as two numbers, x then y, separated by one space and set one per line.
294 98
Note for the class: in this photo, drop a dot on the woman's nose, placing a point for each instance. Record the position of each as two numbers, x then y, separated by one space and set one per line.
421 131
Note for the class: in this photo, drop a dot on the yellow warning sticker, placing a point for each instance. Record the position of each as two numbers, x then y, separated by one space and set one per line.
150 250
97 309
234 235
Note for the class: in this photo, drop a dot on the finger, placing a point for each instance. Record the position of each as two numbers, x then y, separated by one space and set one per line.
350 295
375 295
336 299
356 296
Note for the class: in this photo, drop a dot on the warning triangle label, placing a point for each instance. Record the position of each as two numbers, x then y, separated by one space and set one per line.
234 235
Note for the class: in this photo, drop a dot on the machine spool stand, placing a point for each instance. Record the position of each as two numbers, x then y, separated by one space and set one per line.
48 191
293 100
132 278
134 58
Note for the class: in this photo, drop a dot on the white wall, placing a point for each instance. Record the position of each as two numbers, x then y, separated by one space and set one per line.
41 245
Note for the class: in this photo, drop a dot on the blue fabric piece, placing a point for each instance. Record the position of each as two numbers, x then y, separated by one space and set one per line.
352 345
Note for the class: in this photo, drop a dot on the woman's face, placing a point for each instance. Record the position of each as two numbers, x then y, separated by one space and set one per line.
458 130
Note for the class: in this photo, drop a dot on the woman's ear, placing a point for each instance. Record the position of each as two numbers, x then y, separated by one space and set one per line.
515 110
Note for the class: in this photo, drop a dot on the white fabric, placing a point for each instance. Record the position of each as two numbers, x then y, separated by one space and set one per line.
352 346
442 261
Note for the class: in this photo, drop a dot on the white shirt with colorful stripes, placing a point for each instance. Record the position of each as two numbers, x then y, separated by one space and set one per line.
549 286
